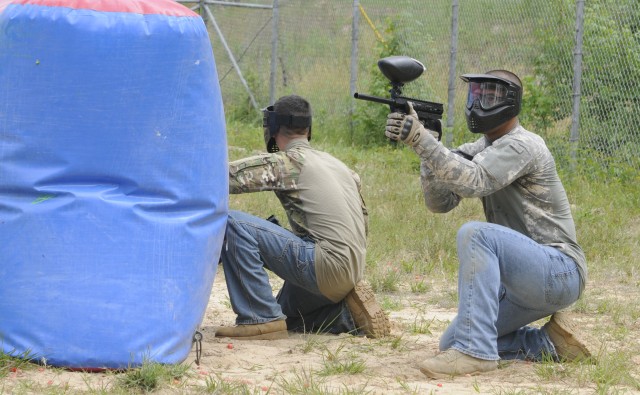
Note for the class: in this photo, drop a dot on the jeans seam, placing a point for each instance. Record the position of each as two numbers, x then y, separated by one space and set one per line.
244 287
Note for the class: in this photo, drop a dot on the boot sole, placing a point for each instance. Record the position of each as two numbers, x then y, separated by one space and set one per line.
265 336
366 312
435 375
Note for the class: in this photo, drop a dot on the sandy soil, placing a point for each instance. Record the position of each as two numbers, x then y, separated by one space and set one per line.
299 364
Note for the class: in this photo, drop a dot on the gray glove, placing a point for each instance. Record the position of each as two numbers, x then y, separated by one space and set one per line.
405 127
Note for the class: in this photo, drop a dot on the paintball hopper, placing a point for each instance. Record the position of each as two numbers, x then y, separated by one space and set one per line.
400 69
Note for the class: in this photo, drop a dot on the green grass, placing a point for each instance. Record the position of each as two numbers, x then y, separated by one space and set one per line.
14 362
151 376
217 385
340 362
421 326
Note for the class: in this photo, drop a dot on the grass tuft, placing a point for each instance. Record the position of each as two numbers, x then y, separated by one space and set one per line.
151 376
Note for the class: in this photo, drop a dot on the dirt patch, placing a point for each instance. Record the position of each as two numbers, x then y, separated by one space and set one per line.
312 363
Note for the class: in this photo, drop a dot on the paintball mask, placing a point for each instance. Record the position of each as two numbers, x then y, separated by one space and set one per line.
271 123
491 101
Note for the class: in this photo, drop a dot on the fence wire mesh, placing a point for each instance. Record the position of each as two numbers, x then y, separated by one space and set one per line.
536 39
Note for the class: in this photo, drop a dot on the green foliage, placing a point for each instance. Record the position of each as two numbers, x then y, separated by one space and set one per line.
611 64
553 64
537 110
613 55
369 118
238 106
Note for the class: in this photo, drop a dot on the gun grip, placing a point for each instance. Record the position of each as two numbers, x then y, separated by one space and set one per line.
433 125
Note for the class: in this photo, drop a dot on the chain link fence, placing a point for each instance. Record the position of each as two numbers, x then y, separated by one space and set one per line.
579 61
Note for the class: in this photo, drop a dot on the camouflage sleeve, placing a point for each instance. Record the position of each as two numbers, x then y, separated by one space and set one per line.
437 196
491 169
265 172
469 150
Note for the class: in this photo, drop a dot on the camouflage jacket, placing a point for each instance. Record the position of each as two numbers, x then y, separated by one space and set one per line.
516 178
322 199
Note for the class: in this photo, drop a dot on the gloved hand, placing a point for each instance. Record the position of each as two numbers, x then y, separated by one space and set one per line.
405 127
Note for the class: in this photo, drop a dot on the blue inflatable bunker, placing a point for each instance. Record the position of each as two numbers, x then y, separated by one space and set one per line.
113 180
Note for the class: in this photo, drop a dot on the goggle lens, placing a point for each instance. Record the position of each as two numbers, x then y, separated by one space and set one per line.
489 94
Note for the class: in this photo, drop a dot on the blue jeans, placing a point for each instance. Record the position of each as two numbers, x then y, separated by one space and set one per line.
506 281
253 244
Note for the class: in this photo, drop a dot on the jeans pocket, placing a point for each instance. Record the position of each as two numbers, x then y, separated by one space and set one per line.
563 279
305 265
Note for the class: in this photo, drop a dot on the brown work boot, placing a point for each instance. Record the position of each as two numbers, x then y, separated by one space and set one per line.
454 363
366 312
570 344
267 331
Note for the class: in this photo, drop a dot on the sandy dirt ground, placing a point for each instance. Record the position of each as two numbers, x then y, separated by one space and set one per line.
311 363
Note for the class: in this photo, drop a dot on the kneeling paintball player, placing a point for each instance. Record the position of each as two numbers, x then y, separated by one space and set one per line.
524 263
322 258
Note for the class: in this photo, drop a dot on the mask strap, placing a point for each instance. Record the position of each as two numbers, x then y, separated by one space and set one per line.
274 121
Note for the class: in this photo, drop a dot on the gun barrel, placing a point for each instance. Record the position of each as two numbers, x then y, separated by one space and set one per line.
374 99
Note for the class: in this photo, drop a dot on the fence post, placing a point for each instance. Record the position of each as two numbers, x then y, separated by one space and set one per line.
354 61
202 4
452 73
274 53
577 78
232 58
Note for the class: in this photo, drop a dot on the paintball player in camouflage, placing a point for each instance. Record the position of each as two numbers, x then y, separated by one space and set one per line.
524 263
321 261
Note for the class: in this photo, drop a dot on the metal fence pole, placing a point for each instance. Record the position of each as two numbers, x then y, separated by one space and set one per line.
354 60
232 58
452 73
577 77
202 4
274 53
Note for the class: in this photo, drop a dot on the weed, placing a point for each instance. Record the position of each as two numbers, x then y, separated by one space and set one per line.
217 385
406 388
419 286
421 327
549 370
390 304
335 362
302 382
613 369
13 362
397 343
151 376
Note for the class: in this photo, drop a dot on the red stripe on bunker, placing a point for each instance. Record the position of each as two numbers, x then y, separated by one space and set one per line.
160 7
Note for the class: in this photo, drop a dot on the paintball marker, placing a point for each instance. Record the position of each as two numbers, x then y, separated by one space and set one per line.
400 70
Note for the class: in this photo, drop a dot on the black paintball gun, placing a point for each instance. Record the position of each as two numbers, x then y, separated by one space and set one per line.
400 70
